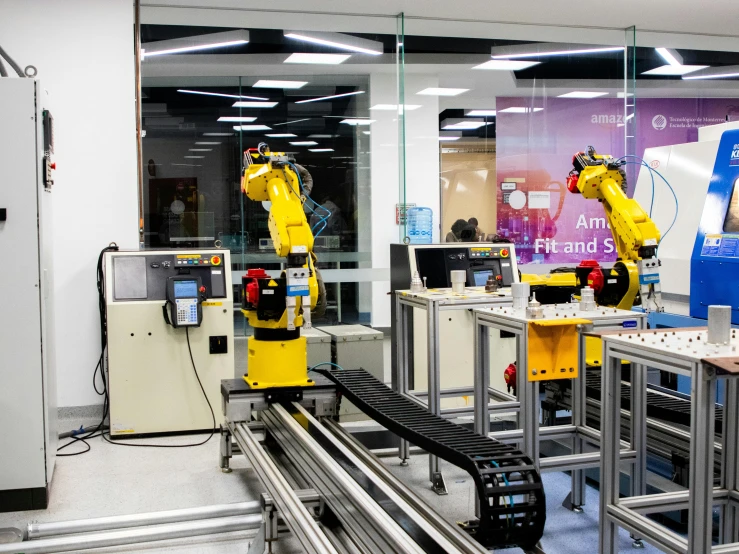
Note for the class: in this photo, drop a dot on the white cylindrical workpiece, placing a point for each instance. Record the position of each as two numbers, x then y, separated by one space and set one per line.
587 299
719 324
459 278
521 293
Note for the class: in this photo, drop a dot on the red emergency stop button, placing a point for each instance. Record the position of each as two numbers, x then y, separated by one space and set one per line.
215 260
202 289
504 253
53 165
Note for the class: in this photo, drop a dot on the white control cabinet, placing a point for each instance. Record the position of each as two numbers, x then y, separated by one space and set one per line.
28 411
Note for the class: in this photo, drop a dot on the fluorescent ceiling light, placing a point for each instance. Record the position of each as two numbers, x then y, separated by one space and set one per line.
506 65
338 40
188 165
354 121
195 157
254 104
266 83
394 107
725 72
440 91
329 97
207 143
582 94
194 43
480 113
235 118
329 59
218 135
519 109
365 132
322 136
444 139
200 150
294 121
670 56
320 149
222 95
281 135
541 49
465 125
674 69
304 143
252 128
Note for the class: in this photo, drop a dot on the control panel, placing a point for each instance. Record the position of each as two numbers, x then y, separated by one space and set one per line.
144 276
197 259
483 252
436 262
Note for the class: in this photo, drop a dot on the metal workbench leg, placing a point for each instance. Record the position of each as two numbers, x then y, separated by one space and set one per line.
610 445
226 451
402 337
730 459
576 500
528 396
481 370
638 438
434 388
481 377
702 416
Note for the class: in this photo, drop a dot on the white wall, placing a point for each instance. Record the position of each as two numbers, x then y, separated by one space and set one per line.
83 52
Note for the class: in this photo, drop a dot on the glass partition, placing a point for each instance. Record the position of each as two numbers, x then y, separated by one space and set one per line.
328 99
509 116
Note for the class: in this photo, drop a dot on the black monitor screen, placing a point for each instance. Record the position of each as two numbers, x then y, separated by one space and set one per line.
185 289
481 277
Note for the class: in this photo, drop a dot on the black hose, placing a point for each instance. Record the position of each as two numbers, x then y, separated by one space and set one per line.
3 71
12 63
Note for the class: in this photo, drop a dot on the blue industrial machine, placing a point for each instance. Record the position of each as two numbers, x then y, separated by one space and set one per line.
714 267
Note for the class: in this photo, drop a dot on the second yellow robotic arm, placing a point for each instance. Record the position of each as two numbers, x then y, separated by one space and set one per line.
634 233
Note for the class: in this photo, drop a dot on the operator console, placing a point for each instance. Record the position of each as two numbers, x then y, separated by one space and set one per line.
435 262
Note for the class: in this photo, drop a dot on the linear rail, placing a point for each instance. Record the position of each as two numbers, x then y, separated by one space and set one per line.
292 510
509 488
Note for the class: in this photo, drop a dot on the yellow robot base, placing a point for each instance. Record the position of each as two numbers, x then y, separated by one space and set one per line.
293 369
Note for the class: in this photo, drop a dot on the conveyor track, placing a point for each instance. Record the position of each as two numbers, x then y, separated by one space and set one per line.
509 488
663 406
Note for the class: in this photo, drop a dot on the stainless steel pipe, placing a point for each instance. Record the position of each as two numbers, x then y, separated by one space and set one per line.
133 536
51 529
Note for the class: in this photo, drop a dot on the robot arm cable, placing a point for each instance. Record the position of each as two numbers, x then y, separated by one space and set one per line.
323 219
12 63
652 171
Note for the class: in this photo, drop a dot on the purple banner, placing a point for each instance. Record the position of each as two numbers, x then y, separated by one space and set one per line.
535 210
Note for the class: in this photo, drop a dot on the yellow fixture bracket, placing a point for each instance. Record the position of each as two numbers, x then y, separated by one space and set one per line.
553 349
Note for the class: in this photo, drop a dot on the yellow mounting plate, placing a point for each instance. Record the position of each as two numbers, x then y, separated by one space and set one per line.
553 349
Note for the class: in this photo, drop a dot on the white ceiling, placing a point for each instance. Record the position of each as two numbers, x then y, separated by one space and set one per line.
709 17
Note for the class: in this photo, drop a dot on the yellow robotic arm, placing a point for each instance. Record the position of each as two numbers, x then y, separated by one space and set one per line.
634 233
277 307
